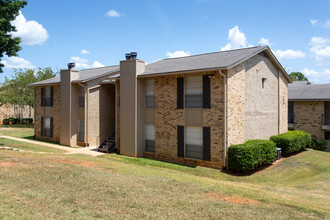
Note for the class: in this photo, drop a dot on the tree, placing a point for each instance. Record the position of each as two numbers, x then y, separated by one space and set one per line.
298 76
9 9
16 90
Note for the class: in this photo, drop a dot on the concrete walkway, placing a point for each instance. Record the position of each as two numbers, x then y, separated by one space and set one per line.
70 150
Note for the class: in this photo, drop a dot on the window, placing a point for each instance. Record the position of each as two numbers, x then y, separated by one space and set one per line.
327 135
194 142
290 112
47 96
194 92
47 127
150 138
150 93
81 131
81 96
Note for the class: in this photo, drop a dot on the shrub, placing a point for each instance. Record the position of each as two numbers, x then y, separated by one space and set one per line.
5 121
251 154
318 144
27 120
292 141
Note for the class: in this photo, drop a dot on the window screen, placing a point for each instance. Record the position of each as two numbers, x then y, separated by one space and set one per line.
48 96
150 138
81 130
194 142
194 92
47 127
290 112
81 96
150 93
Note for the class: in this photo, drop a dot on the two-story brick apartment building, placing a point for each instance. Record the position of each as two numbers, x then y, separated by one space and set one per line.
186 110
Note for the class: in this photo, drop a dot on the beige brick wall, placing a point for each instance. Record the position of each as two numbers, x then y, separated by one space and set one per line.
168 117
308 117
283 104
47 111
236 105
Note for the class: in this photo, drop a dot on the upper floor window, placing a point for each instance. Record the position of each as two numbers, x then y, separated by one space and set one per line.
81 96
47 94
150 93
194 92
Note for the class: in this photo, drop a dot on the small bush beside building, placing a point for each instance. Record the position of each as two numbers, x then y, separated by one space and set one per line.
251 154
292 141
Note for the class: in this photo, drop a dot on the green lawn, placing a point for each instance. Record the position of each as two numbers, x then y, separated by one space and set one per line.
27 133
18 126
39 186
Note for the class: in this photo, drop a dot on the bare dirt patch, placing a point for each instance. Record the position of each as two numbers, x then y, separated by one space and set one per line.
80 163
5 164
234 198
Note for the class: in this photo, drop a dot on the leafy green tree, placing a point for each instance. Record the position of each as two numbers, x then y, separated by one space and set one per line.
298 76
9 9
16 91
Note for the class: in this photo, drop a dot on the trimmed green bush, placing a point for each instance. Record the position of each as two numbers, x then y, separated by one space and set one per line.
292 141
27 120
5 121
251 154
318 144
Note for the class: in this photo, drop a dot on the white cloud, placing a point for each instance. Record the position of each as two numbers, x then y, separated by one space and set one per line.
84 63
327 24
289 54
17 62
83 51
31 32
97 64
236 39
80 62
113 14
315 76
265 41
320 49
178 53
314 21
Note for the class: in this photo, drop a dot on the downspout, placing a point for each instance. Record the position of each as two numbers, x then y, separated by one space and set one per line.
225 118
85 115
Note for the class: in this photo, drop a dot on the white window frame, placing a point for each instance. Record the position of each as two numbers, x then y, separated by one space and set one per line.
149 93
149 135
194 90
194 138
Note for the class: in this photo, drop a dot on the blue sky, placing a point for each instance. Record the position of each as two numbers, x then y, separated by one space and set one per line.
100 32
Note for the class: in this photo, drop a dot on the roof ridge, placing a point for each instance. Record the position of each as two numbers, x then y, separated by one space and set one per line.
100 67
202 54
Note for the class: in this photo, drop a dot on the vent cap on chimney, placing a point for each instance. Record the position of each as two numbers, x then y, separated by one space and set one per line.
133 55
128 56
71 65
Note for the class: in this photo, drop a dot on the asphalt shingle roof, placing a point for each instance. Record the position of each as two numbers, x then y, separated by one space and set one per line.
84 75
313 92
223 59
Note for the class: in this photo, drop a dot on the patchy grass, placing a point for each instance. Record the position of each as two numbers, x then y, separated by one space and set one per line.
18 126
27 146
38 186
27 133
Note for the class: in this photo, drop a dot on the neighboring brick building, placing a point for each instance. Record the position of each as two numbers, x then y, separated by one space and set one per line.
309 108
186 110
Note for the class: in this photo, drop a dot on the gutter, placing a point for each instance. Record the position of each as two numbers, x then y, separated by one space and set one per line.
85 115
225 118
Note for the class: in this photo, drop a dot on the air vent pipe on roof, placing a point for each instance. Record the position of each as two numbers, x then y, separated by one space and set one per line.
131 56
71 65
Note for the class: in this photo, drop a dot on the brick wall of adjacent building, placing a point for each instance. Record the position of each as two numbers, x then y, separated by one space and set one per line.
47 111
308 117
168 117
15 111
